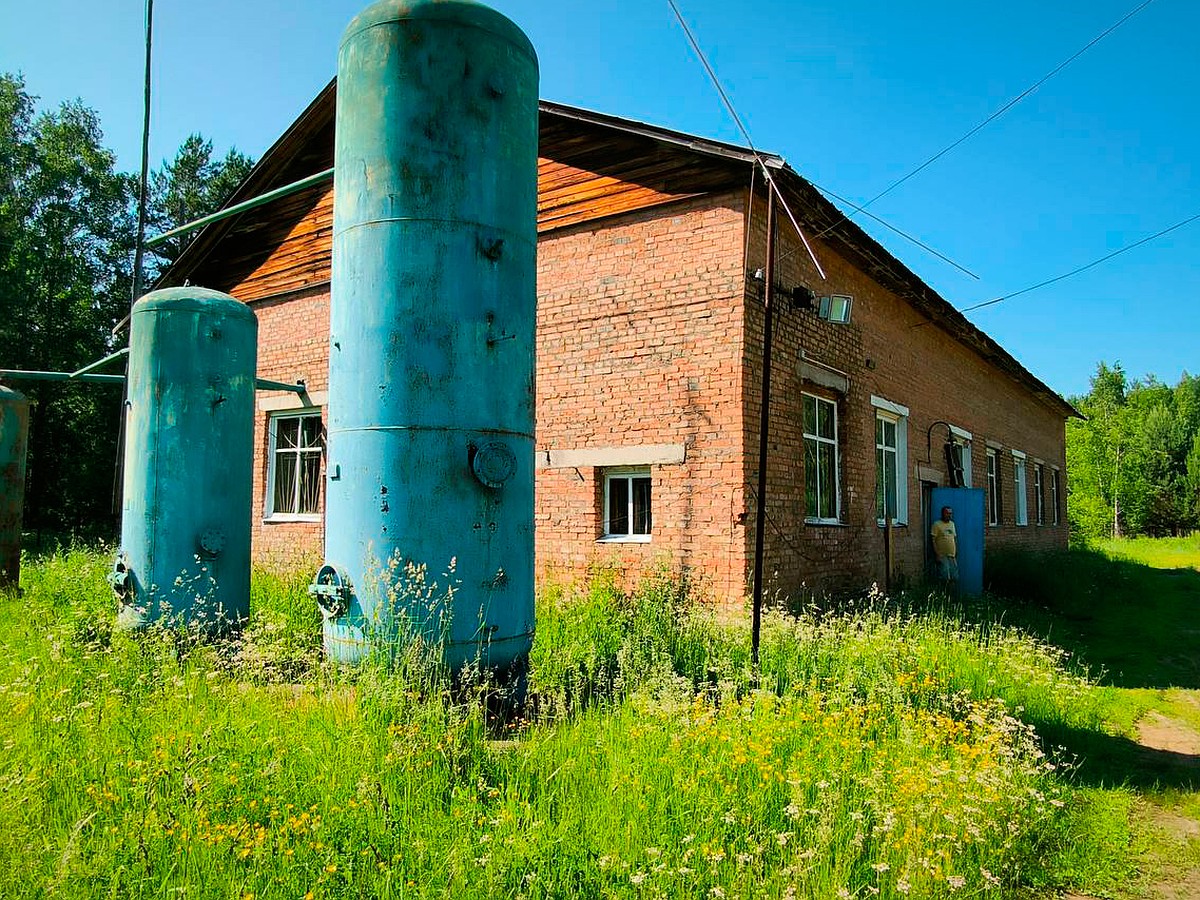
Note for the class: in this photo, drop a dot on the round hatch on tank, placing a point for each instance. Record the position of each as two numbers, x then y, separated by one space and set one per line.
494 464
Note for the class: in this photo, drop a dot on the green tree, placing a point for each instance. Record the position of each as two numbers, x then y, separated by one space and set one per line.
1191 482
66 235
1097 447
193 184
1134 464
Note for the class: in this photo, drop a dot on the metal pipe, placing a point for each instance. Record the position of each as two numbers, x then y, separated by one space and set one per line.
100 363
20 375
764 424
252 203
140 246
264 384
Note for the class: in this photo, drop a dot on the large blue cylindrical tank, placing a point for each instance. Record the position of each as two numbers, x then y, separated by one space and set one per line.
431 371
189 441
14 434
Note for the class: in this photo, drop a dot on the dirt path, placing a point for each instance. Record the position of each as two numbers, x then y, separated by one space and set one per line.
1167 829
1170 829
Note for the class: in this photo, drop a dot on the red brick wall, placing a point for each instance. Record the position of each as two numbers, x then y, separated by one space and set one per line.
293 343
650 333
890 351
640 343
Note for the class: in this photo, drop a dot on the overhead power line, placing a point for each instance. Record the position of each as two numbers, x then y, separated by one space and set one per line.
1092 264
745 134
906 236
998 113
767 173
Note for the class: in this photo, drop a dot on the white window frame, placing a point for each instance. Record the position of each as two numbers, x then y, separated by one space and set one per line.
837 462
1020 489
898 414
965 440
1039 495
626 474
993 487
269 512
1054 489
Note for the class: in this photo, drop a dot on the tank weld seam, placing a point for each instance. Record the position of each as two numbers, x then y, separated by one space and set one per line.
517 235
525 46
506 431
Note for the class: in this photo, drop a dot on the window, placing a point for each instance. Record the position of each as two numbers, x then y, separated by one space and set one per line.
993 487
1054 494
820 459
1039 494
891 461
1021 507
627 509
296 446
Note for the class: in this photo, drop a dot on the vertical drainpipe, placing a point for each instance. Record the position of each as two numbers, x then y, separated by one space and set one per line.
763 427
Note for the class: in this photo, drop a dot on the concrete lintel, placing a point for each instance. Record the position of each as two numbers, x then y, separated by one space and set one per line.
816 373
928 473
643 455
293 401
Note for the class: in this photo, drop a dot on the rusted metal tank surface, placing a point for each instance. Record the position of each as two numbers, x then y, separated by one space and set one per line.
185 522
429 501
14 436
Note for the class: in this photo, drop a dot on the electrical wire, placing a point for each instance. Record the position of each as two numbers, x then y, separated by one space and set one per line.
749 218
745 135
890 227
802 552
997 114
1084 268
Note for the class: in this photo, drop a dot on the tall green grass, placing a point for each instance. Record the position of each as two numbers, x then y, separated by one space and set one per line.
1160 553
878 751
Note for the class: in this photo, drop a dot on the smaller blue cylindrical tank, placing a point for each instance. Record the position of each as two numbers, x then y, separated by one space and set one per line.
14 432
189 443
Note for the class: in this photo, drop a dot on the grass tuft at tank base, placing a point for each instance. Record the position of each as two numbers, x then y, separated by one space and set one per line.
892 750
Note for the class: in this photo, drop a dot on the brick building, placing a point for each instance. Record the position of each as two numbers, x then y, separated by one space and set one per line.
650 333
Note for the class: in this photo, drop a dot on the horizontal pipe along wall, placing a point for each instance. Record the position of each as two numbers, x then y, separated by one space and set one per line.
430 435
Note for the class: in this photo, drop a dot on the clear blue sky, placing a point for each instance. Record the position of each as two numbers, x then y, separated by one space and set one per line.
853 93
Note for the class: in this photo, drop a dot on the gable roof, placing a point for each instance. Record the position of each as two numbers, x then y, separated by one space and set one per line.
591 165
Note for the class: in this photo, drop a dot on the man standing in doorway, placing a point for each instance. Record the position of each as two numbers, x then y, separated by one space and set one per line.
945 547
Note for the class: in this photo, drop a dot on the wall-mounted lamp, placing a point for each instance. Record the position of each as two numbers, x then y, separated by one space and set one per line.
835 308
953 450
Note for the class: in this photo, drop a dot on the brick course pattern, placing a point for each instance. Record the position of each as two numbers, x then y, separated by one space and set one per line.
650 332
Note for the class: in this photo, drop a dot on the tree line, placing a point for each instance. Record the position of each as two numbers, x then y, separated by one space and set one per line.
1133 462
68 224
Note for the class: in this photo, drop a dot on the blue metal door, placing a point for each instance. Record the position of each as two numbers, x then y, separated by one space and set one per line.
967 504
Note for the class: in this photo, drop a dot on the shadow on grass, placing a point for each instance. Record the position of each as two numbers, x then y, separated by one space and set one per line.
1134 626
1105 760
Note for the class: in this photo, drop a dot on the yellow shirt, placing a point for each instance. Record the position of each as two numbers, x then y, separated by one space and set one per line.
945 539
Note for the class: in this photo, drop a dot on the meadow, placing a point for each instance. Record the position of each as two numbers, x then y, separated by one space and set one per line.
891 747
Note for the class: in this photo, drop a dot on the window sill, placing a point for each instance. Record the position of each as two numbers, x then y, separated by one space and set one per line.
624 539
826 523
289 517
883 524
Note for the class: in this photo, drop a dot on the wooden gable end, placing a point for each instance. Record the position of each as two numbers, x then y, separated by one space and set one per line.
588 172
585 173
